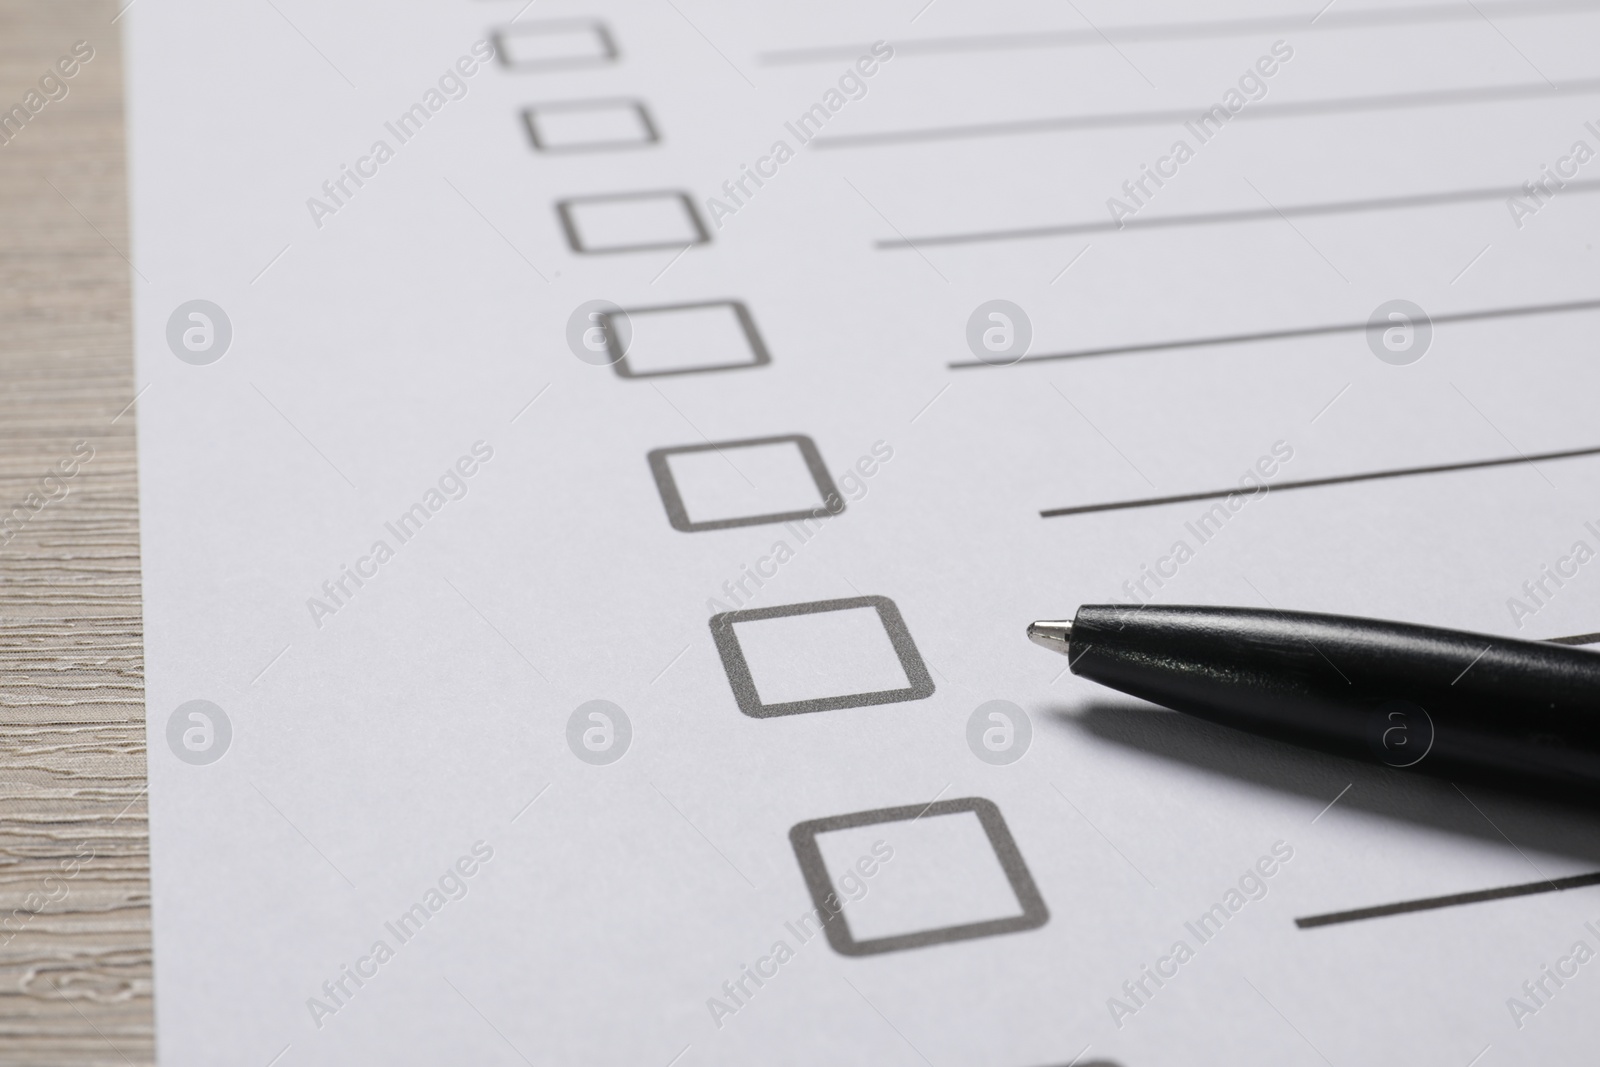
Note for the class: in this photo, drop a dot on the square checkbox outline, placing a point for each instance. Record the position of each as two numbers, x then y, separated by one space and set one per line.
743 683
678 514
819 883
747 325
531 29
653 135
569 225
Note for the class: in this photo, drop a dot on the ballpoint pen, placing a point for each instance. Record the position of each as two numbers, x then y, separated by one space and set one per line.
1523 712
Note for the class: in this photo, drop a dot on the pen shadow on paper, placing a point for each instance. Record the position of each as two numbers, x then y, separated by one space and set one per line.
1462 808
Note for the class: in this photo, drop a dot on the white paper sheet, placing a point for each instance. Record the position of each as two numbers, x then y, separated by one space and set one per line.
408 526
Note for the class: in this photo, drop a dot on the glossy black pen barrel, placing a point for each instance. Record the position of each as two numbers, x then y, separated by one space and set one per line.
1440 700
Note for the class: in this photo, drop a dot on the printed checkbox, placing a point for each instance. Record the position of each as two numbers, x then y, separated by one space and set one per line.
684 339
723 484
589 126
918 875
631 222
558 44
819 656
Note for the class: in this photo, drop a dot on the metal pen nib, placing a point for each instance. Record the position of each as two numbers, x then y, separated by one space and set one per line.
1052 635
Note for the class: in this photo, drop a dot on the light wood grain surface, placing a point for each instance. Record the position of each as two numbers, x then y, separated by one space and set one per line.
75 957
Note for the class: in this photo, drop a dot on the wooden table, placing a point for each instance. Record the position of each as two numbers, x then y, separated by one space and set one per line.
75 974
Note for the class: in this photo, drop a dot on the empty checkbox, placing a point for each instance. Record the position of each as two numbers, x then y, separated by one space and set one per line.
685 339
919 875
722 484
589 126
555 45
819 656
631 222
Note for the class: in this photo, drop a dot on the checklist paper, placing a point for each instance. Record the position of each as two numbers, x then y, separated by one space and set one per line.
598 462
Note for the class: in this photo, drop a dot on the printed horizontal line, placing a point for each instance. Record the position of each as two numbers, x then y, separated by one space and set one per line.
1211 218
1576 881
1175 117
1316 483
1431 14
1277 335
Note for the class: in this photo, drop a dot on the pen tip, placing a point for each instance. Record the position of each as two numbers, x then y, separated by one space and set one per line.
1051 635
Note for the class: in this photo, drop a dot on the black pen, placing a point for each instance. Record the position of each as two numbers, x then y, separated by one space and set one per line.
1495 709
